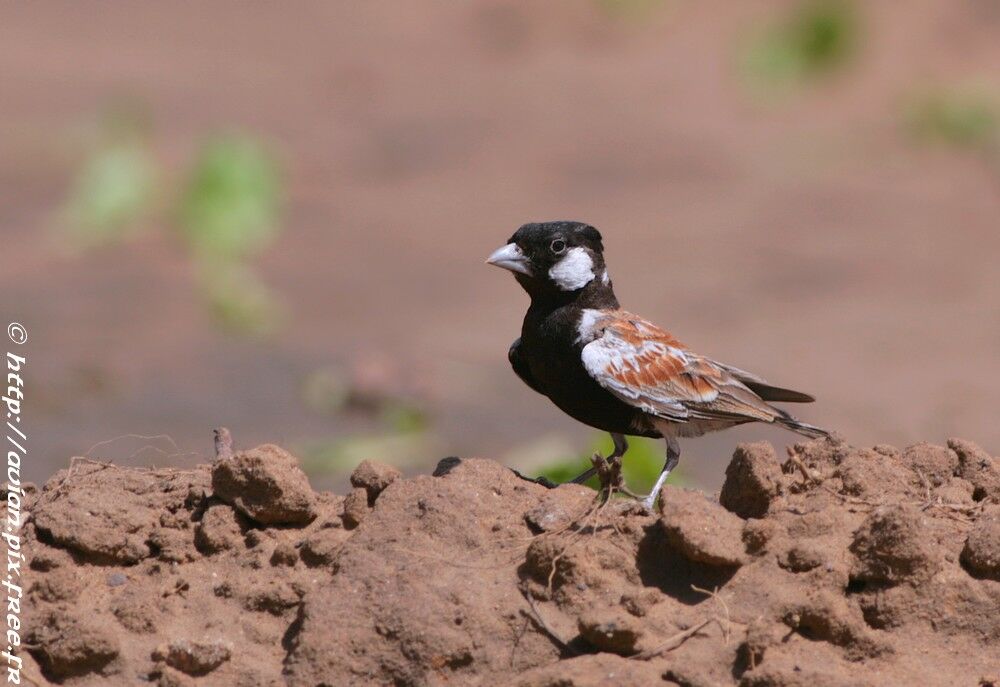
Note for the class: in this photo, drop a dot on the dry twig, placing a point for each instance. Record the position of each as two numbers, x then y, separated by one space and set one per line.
536 616
727 627
673 642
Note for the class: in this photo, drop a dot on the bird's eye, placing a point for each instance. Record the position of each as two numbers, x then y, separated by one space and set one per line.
558 246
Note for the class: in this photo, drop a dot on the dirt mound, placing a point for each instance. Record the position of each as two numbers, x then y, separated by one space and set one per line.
841 566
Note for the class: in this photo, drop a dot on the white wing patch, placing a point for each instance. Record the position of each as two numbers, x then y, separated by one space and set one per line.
611 360
586 330
574 271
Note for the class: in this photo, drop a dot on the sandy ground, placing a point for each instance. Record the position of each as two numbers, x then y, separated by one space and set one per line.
842 566
808 240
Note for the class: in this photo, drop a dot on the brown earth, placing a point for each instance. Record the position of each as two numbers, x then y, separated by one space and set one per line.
842 566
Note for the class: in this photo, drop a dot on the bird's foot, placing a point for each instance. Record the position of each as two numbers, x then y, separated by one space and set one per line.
542 480
609 472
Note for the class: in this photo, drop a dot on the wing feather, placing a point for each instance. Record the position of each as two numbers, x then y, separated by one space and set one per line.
648 368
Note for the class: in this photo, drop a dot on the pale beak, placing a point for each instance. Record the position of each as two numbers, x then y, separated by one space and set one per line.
511 258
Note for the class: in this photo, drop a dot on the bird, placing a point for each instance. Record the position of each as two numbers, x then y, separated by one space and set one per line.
614 370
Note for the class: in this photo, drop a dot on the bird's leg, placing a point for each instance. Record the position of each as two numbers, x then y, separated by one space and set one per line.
673 457
621 446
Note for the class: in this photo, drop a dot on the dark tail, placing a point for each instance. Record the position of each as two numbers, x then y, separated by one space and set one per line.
799 427
776 394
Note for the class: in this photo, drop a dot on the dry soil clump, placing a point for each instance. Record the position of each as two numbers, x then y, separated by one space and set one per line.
843 566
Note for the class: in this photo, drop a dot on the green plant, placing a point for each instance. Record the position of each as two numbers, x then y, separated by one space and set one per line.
962 118
816 38
114 189
229 209
227 215
226 212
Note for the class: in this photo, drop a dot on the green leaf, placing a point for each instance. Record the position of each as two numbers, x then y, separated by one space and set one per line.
230 208
816 38
403 417
960 118
112 192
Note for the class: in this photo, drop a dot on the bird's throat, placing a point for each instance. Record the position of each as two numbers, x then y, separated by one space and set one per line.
596 294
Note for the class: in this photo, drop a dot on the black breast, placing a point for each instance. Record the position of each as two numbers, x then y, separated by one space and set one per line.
551 353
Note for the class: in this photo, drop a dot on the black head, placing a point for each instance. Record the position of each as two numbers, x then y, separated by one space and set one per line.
554 257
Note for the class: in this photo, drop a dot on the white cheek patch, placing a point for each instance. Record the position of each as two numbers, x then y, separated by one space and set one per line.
574 271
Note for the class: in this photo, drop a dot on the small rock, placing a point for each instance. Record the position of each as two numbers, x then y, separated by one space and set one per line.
981 554
270 598
544 558
638 603
117 579
612 630
757 534
267 485
284 554
559 507
374 477
355 508
329 507
219 530
753 480
869 472
979 468
193 658
957 490
170 545
177 521
135 610
44 558
892 546
829 618
61 584
67 645
255 538
702 530
803 557
320 547
936 463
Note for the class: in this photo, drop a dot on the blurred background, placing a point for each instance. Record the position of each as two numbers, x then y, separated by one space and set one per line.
274 217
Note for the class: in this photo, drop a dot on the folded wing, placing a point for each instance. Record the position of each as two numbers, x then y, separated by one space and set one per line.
648 368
